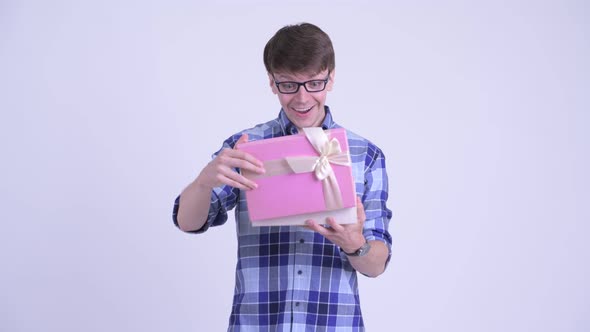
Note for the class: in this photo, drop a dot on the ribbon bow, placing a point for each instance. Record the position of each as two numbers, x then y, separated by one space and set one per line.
329 153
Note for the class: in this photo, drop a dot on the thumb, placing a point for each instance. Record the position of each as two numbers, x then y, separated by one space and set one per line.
360 210
243 139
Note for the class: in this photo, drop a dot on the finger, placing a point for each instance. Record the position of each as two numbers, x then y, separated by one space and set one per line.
230 182
242 139
227 173
241 159
314 226
360 210
335 226
243 154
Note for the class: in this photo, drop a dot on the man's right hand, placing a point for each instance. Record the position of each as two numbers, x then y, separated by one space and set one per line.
221 171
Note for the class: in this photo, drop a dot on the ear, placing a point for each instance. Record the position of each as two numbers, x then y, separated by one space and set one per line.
271 82
331 81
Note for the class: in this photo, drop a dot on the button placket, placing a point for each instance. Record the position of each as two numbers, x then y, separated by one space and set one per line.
300 267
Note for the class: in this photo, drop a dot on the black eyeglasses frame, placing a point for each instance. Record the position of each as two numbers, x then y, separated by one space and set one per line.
299 84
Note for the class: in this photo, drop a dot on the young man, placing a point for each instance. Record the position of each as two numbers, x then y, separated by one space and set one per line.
293 278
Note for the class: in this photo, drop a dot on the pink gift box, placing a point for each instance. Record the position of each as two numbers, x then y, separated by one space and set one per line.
287 198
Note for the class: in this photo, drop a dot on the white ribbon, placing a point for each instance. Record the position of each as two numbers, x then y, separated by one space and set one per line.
329 153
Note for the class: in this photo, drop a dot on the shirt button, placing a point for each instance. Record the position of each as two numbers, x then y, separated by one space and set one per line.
299 272
301 240
296 304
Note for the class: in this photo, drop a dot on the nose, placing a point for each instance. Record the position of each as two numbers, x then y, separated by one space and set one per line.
301 93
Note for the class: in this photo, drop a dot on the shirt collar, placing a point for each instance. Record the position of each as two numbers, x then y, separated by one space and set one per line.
290 129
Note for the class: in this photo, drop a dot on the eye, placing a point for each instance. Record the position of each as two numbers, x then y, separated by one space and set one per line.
288 86
315 84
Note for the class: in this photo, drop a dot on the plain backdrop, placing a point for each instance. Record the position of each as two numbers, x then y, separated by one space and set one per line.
110 108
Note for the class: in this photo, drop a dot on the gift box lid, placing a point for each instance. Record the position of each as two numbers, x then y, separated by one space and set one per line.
282 194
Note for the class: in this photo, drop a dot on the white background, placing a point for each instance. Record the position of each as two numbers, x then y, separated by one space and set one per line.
109 108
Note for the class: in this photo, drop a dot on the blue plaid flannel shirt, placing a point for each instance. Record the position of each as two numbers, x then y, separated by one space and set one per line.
289 278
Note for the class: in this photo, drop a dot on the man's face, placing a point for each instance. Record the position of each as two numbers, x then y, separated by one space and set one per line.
303 108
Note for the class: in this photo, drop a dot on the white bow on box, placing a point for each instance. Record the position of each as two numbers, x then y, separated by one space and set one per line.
329 153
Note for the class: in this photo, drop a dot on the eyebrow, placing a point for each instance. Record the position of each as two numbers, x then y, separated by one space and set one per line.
281 78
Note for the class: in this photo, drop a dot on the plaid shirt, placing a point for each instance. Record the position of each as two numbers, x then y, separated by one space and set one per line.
289 278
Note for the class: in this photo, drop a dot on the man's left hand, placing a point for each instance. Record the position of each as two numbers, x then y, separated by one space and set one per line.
349 237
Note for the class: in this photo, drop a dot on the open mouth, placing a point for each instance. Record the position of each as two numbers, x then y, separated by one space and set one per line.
302 110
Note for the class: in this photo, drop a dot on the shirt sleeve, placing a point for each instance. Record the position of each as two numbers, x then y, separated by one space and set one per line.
374 199
223 198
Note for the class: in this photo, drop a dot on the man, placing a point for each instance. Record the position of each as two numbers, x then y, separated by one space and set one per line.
294 278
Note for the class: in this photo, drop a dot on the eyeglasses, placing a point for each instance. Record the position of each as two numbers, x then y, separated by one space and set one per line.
289 87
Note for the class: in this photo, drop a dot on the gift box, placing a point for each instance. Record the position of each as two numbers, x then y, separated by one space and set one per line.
308 176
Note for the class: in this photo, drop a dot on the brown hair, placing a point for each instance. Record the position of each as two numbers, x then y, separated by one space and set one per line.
299 48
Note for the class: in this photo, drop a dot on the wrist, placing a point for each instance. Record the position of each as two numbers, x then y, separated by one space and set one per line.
354 245
201 184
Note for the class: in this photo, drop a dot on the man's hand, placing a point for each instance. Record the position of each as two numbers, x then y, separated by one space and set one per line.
349 237
221 169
